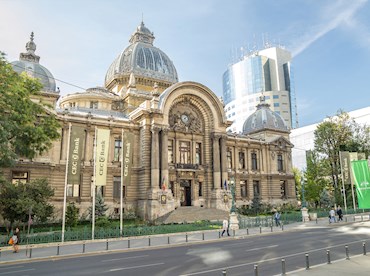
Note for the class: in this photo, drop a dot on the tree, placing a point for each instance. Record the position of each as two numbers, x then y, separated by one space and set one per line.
298 185
325 198
315 174
27 127
330 136
17 199
100 208
72 214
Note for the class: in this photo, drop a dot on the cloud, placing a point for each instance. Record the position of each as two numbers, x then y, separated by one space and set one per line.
343 14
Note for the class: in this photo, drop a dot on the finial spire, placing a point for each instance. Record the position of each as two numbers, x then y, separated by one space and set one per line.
31 48
31 36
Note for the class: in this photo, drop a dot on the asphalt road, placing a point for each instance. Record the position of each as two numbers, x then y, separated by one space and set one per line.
238 256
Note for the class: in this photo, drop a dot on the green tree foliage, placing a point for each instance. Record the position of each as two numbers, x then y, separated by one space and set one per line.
315 174
298 185
330 136
100 208
325 199
16 200
72 214
27 127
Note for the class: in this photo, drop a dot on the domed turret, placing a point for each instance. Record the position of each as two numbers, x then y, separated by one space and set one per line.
29 63
149 64
264 119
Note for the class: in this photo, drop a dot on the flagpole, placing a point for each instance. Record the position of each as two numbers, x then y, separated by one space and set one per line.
344 189
121 190
93 190
65 183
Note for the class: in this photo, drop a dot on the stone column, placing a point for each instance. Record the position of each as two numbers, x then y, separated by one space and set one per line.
154 183
164 157
216 162
224 174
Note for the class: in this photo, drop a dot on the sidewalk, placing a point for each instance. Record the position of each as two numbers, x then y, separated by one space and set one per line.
357 265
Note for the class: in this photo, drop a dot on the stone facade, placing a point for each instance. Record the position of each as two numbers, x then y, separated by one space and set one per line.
182 153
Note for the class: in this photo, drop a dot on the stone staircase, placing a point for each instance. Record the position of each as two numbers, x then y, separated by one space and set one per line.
191 214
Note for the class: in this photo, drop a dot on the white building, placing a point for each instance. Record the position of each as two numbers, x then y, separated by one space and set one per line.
303 138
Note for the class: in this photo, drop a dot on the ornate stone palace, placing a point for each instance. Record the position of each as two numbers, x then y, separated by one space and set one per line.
182 154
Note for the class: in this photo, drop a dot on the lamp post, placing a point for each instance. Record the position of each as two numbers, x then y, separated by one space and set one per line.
232 189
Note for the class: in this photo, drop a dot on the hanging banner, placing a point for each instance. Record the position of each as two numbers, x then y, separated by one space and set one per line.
128 147
77 142
361 175
345 164
101 162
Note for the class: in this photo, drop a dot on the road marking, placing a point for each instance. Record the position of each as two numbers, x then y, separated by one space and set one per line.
239 243
132 267
267 260
119 259
260 248
12 267
16 271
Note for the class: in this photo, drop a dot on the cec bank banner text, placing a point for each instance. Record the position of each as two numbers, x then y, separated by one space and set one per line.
101 162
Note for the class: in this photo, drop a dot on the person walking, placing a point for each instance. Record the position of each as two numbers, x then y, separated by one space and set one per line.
332 215
225 227
277 218
16 240
339 213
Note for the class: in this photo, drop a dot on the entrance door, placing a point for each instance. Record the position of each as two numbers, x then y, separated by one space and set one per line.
185 193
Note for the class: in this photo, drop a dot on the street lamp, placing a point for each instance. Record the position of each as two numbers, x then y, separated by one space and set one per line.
232 188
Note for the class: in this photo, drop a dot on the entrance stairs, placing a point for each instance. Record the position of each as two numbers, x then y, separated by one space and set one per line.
192 214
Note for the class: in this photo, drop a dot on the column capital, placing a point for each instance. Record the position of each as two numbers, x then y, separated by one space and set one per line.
216 135
155 128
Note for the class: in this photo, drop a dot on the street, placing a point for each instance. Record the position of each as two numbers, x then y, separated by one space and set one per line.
237 255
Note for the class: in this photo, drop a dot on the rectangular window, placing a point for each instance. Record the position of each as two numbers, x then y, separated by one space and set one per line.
184 152
200 189
117 149
170 151
280 163
229 159
276 104
172 188
256 188
254 161
241 160
283 191
18 176
73 190
116 187
276 96
100 190
198 153
243 188
94 105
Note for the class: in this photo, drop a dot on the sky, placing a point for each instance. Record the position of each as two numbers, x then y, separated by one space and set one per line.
77 41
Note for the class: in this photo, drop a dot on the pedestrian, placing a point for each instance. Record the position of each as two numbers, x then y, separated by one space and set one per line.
339 213
332 215
225 227
277 218
16 240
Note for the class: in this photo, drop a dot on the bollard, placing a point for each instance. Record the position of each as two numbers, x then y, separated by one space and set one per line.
256 270
247 231
316 220
271 227
364 247
0 252
83 247
168 239
282 227
128 243
307 262
58 249
283 272
347 252
260 229
186 237
30 252
203 236
233 232
346 219
328 256
219 234
224 272
106 245
149 241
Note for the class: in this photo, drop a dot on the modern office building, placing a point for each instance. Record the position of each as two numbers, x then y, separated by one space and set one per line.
266 72
162 142
303 138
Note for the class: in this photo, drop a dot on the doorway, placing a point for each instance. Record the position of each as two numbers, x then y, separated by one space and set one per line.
185 190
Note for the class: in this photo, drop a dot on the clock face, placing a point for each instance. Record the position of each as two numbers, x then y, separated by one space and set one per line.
184 118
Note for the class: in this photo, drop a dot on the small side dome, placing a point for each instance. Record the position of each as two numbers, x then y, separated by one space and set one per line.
29 63
264 119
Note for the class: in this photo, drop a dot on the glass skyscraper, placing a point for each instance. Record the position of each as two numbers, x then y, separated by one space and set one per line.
265 73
